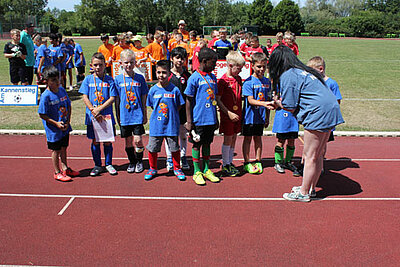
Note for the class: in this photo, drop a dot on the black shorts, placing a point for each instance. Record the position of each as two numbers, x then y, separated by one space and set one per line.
64 142
81 69
331 137
252 129
129 130
206 134
286 136
18 74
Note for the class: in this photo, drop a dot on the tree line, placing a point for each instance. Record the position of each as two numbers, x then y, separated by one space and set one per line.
358 18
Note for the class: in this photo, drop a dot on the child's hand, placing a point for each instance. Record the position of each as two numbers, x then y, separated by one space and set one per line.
266 123
60 125
95 112
233 116
188 126
270 105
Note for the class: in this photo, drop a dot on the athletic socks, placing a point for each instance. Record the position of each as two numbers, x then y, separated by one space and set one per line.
279 154
96 154
196 159
206 157
108 151
153 160
289 153
139 153
225 155
130 152
176 159
231 153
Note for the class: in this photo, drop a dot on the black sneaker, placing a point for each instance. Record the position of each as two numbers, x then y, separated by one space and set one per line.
290 166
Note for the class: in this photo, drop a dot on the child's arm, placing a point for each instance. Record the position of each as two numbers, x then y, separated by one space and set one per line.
189 121
144 100
117 109
267 112
255 102
232 116
97 110
59 124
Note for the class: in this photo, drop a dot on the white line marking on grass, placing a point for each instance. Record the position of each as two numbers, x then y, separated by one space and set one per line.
197 198
212 158
371 99
66 206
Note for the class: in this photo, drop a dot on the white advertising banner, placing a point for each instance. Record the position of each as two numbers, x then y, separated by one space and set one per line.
18 95
143 69
222 67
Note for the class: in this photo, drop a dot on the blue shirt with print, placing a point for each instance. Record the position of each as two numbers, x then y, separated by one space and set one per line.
259 89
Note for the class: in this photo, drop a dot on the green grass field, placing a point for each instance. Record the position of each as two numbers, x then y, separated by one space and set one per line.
364 68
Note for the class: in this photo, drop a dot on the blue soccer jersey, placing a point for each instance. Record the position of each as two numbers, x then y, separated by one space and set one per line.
131 92
317 108
56 106
77 56
164 120
259 89
202 87
332 84
56 53
284 122
43 52
98 91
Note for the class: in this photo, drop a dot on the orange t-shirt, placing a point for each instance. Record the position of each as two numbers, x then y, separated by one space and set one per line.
107 52
192 45
118 49
185 34
156 51
139 53
171 44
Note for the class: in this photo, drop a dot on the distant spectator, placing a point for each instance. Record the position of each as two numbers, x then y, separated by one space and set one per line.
16 54
26 39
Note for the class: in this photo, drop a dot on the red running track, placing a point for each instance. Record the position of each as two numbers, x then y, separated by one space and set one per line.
112 220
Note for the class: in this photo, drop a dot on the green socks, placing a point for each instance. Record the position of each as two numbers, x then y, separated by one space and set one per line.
289 153
196 159
279 154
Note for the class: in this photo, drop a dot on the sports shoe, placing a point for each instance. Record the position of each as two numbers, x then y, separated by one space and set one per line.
70 172
296 196
139 167
233 169
250 168
312 192
184 164
150 174
96 171
279 168
227 170
131 168
180 175
170 165
111 170
210 176
290 166
198 178
61 177
259 167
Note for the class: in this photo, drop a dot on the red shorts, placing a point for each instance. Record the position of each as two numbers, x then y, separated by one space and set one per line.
227 127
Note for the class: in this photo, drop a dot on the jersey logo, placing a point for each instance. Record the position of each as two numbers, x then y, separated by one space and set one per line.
210 93
63 112
131 96
99 97
261 96
163 109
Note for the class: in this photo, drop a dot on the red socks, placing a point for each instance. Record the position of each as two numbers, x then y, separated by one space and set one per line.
176 159
153 160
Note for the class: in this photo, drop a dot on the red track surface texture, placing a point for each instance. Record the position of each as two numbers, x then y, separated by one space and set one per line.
240 221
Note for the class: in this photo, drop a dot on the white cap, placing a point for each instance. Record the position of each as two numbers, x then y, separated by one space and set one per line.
181 22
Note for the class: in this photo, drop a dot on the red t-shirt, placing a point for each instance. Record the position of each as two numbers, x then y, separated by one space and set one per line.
211 43
195 58
250 50
230 90
244 47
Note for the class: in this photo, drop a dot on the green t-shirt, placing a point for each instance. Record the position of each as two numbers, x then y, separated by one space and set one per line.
27 41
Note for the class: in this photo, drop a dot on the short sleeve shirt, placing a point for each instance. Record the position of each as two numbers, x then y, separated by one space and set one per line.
259 89
164 120
98 92
230 90
131 92
56 106
55 53
26 39
43 52
316 107
181 82
203 88
11 48
332 84
77 56
284 122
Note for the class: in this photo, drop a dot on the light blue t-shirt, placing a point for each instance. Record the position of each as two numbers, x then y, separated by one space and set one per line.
56 53
26 39
284 122
56 106
131 92
332 84
316 107
105 88
164 120
259 89
203 91
77 58
43 52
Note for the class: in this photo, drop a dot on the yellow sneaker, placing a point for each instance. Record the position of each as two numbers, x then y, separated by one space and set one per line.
210 176
198 178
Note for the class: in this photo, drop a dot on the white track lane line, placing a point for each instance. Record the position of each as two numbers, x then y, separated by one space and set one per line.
212 158
196 198
66 206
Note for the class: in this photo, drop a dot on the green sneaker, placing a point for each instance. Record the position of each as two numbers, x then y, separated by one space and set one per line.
227 171
210 176
250 168
234 170
259 167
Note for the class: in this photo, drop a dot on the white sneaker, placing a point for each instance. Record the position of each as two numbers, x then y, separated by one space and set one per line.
131 168
111 170
311 192
139 167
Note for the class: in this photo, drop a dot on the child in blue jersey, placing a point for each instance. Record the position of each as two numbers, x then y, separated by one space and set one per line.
56 53
69 64
131 110
302 90
63 64
318 63
256 91
79 60
223 45
201 113
55 112
99 93
165 99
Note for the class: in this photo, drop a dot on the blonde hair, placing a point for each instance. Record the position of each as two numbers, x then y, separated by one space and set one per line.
15 31
223 29
288 35
235 58
316 62
127 53
279 35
